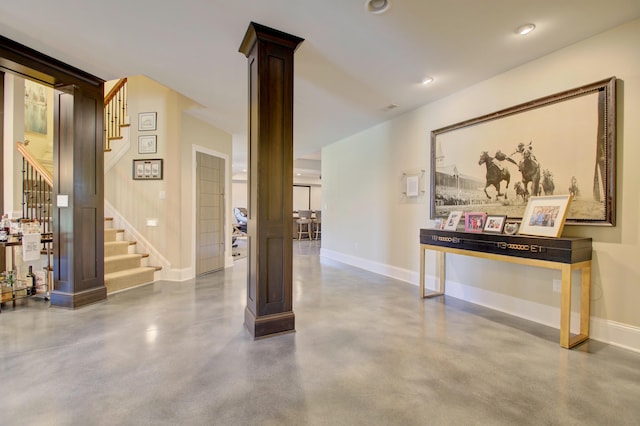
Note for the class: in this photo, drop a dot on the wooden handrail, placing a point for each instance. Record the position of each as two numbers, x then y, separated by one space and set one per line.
115 113
33 161
114 90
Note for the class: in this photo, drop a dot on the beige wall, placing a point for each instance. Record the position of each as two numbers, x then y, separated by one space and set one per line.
169 200
239 188
365 223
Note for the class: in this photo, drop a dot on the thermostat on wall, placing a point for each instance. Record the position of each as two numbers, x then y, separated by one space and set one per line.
62 200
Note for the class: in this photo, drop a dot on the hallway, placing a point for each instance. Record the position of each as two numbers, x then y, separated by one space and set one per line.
367 351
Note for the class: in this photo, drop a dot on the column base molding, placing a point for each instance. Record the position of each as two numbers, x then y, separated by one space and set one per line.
78 300
269 325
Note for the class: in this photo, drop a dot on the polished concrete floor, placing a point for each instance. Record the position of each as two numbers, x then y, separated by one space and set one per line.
367 351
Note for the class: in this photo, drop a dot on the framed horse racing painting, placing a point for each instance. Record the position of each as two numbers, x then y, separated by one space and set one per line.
497 162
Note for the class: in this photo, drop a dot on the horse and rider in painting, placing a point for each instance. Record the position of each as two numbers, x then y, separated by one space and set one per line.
547 182
529 168
519 191
495 173
574 191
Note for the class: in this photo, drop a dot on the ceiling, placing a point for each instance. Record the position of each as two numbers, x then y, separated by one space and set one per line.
352 65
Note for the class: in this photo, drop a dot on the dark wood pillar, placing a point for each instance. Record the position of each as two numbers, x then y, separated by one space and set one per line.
269 308
78 235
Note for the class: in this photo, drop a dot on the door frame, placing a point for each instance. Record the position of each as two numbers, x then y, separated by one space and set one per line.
79 277
228 256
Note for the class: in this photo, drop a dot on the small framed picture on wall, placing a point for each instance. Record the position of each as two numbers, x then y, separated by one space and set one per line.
147 144
147 121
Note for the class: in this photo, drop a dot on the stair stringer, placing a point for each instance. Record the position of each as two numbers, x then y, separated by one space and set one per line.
119 148
144 246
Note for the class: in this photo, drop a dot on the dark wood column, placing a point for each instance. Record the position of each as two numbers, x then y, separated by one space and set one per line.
269 308
78 235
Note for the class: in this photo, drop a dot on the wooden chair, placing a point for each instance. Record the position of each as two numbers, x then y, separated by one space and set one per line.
317 224
304 223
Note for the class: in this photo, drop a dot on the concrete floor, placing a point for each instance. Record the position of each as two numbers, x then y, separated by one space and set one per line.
367 351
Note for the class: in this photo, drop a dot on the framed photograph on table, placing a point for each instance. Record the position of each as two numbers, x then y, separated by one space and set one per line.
147 144
147 121
474 221
452 221
495 224
545 216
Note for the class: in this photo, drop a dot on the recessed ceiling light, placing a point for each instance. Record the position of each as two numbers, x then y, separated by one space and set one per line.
427 80
377 6
525 29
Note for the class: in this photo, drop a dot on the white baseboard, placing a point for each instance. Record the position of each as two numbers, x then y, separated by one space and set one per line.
616 334
379 268
173 274
606 331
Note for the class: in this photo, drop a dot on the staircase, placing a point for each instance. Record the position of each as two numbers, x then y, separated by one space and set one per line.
123 267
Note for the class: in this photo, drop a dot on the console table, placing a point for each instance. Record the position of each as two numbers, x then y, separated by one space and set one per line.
563 254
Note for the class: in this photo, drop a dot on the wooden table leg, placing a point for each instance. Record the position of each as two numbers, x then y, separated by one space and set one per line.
566 341
440 278
585 299
565 307
422 250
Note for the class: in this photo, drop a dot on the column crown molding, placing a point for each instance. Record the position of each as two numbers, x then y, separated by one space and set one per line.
256 32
